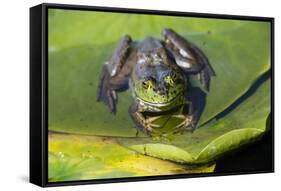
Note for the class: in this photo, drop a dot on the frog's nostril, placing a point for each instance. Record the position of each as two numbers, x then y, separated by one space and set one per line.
161 92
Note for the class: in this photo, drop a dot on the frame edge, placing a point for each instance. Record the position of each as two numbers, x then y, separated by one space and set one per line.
36 166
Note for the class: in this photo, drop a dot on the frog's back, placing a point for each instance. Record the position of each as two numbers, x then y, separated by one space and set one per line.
149 44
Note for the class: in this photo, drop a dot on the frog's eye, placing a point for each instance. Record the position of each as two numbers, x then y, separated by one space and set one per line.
171 79
147 84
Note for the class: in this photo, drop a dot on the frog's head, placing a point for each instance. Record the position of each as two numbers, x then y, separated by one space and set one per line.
157 83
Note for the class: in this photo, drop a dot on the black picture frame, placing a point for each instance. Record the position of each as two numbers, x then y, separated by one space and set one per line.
39 102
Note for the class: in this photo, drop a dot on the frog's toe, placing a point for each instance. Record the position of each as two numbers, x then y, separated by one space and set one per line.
153 125
105 93
151 119
179 116
205 76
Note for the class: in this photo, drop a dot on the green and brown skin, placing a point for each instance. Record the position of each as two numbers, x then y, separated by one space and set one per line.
157 73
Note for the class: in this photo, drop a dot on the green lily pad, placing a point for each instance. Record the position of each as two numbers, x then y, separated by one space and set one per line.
245 124
81 41
78 157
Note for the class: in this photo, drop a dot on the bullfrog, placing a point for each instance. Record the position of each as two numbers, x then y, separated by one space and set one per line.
157 73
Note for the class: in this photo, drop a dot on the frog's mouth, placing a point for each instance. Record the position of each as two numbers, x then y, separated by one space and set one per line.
177 100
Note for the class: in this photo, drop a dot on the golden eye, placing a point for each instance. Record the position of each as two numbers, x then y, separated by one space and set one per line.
170 79
147 84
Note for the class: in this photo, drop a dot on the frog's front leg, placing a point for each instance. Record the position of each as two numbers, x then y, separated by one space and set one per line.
188 57
145 124
114 76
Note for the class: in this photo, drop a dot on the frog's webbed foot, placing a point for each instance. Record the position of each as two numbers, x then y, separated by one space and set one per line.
188 57
187 122
113 78
145 124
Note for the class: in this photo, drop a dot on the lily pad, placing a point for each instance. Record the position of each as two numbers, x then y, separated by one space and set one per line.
243 125
81 41
78 157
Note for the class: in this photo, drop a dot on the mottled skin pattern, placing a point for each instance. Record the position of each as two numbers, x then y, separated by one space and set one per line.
157 73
